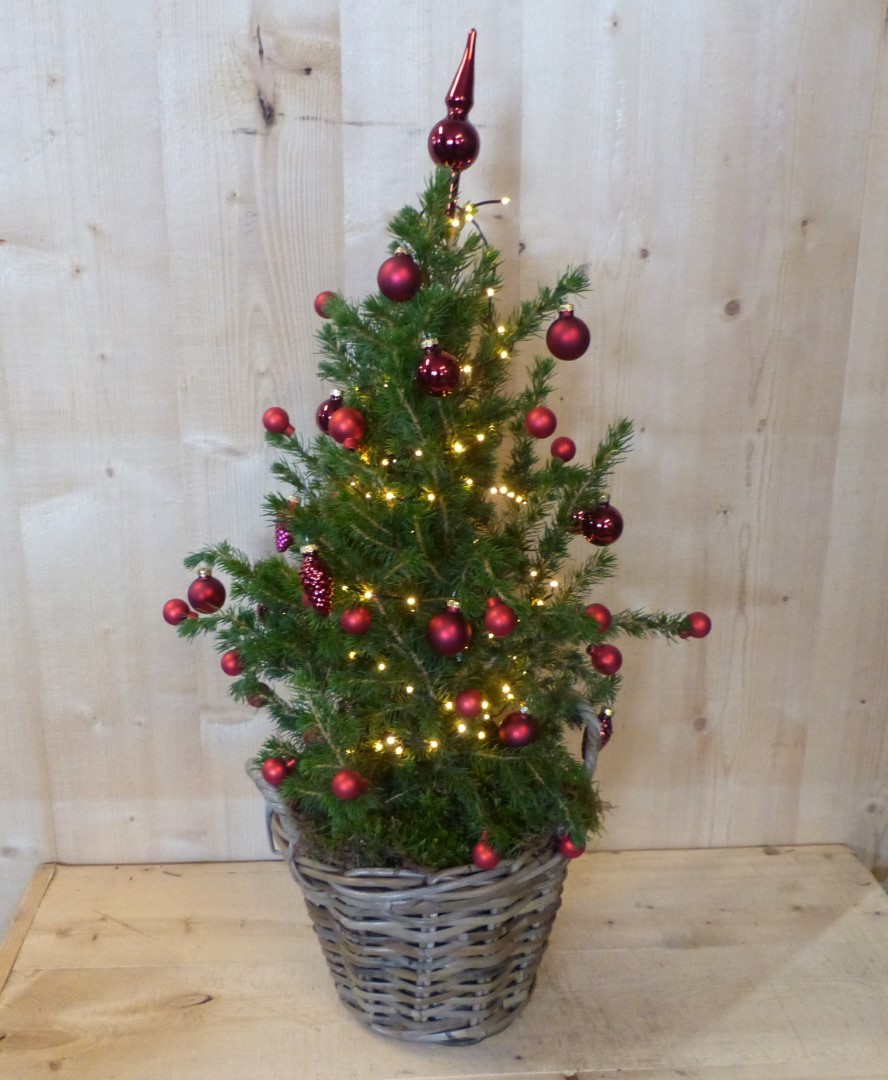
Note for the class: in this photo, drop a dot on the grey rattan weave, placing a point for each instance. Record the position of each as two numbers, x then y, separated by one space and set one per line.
444 957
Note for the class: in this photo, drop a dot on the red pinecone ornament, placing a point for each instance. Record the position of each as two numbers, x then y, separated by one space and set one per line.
283 538
568 337
317 581
206 594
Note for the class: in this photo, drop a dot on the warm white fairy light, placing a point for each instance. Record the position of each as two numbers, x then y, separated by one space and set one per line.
534 573
539 603
487 716
491 293
482 735
352 655
399 750
494 490
553 584
480 436
510 494
503 489
368 593
344 588
455 222
504 354
381 665
417 453
431 496
368 496
510 697
485 705
505 200
385 461
390 740
433 744
467 369
506 688
409 689
458 448
448 705
519 498
500 329
378 747
410 601
461 728
469 482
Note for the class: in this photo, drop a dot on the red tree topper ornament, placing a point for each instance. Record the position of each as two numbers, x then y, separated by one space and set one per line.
518 729
176 611
483 854
601 615
320 303
317 581
438 372
568 848
602 524
275 770
606 659
454 141
468 703
399 278
231 663
326 409
568 337
356 620
206 594
500 620
540 422
347 427
348 784
698 624
564 448
277 421
448 632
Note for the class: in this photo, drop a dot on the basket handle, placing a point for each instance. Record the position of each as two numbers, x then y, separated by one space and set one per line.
280 824
591 736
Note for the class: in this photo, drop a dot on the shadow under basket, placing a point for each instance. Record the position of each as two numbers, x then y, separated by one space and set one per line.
448 957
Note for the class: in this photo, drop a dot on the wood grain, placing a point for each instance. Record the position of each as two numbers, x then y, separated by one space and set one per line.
764 964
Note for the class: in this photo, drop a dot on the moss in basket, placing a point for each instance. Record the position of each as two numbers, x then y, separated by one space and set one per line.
432 496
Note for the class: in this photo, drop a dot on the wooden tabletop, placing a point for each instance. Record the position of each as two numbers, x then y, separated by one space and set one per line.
744 964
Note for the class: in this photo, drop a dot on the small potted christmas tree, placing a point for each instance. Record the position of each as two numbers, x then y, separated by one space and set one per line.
426 632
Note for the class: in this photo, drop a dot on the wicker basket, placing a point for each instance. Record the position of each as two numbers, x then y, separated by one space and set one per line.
444 957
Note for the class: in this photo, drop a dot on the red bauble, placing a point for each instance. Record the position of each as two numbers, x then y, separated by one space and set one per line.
320 303
606 659
277 421
518 729
540 422
356 620
483 855
569 849
326 409
448 632
283 538
176 611
275 770
258 701
438 372
601 615
399 278
347 426
699 624
468 703
601 524
568 337
206 594
454 142
500 620
348 784
317 581
564 448
231 663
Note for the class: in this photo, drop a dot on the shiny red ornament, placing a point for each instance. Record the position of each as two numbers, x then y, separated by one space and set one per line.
540 422
326 409
454 142
602 524
601 615
348 784
320 303
518 729
277 421
176 611
347 425
283 538
467 703
258 701
500 620
569 849
275 770
564 448
231 663
317 581
438 372
699 624
206 594
606 659
448 632
399 278
484 856
568 337
356 620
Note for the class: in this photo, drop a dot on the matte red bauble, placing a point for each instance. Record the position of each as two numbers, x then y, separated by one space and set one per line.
540 422
601 615
348 784
231 662
468 703
518 729
438 372
448 632
326 409
275 770
206 594
346 424
356 620
454 142
569 849
568 337
320 303
399 278
176 611
564 448
699 624
483 855
602 524
606 659
500 620
258 701
277 421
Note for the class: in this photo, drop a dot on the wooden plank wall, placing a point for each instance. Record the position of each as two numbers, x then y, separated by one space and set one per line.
721 169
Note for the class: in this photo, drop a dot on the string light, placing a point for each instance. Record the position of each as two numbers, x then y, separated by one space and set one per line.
500 329
410 601
431 496
469 482
467 369
433 744
534 573
409 689
487 716
344 588
381 665
378 747
352 655
368 593
482 735
390 495
494 490
553 584
461 728
504 354
480 436
485 705
491 293
368 496
417 453
385 461
455 222
503 489
448 705
399 750
506 688
391 740
458 448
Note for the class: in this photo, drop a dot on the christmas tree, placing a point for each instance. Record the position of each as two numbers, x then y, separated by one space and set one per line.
427 632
